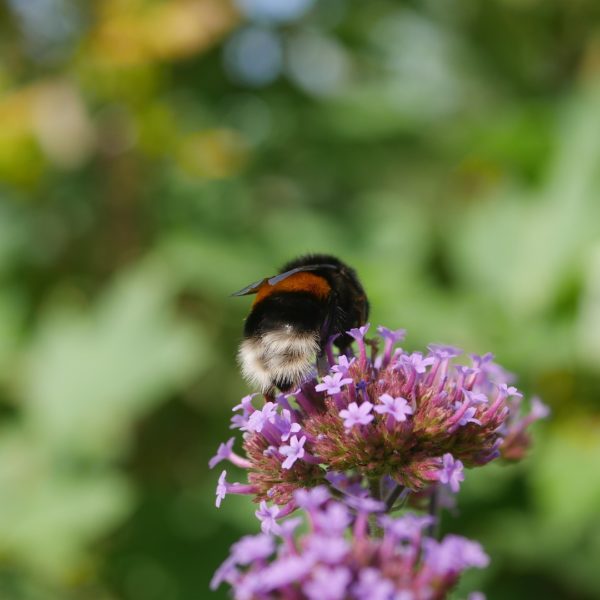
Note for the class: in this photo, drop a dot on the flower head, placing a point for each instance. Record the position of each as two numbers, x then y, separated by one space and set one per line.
417 419
348 562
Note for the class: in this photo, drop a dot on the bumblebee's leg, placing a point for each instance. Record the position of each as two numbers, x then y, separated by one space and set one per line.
322 364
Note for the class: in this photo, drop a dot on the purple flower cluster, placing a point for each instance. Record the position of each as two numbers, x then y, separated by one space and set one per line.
338 559
413 419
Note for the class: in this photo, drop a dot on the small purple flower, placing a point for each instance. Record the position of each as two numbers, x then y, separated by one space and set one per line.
538 409
286 571
293 451
468 376
393 335
398 407
252 547
267 515
285 424
357 415
225 572
221 488
333 519
443 351
311 499
259 418
454 554
475 397
468 415
288 527
416 361
328 584
223 453
240 421
333 384
365 504
510 390
350 486
372 585
467 371
358 333
245 404
452 472
407 527
329 549
343 364
480 361
248 587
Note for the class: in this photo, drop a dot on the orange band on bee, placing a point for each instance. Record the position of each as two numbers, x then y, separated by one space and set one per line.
300 282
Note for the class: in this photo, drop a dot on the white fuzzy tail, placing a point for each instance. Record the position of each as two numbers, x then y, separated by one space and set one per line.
282 355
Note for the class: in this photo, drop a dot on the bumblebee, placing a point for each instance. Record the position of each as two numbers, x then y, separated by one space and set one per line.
293 316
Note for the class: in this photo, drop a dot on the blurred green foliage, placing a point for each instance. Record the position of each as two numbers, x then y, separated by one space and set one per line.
155 156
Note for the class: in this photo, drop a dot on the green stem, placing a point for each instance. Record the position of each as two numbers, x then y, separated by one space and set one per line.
393 496
375 489
434 510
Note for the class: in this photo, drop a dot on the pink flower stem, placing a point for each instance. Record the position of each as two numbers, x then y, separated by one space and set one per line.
239 461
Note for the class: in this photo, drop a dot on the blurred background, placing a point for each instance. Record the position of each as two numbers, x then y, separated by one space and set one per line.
155 156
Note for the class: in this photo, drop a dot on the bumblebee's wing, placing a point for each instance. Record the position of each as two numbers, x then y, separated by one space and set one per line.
254 287
250 289
277 278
